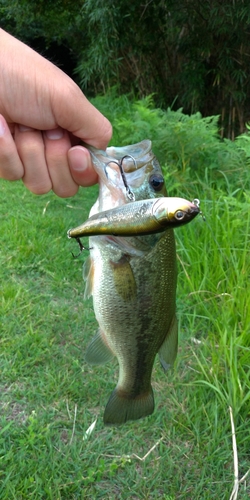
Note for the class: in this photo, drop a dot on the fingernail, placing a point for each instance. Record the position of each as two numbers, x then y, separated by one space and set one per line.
78 158
2 126
56 133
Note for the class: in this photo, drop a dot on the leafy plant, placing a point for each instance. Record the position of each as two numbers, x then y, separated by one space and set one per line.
192 55
187 145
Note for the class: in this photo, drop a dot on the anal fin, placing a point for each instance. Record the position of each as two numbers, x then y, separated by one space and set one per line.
168 350
98 352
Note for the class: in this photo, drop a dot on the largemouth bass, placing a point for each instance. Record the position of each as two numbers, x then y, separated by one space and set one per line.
131 273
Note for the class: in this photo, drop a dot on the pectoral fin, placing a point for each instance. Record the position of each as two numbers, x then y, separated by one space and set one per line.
168 350
98 351
124 280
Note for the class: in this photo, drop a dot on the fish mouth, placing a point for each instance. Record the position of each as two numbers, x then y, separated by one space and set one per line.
134 156
124 171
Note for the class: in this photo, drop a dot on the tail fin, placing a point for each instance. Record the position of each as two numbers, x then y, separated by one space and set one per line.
121 408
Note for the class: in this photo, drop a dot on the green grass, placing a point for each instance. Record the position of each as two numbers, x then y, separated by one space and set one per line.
50 397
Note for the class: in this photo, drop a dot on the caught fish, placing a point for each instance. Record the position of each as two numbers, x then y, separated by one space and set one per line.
131 273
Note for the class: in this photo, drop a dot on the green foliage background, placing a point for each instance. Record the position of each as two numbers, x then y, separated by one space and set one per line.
190 54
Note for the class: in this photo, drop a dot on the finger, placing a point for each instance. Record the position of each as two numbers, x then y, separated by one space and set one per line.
57 144
79 116
11 167
46 96
30 146
81 166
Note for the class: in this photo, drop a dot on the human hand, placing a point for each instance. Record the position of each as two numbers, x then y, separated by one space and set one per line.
43 118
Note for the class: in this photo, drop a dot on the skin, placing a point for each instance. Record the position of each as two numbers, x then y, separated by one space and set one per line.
43 118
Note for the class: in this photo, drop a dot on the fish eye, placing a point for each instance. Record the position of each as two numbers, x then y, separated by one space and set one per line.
156 181
179 215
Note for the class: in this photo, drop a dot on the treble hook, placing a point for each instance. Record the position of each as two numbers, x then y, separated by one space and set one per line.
129 191
81 248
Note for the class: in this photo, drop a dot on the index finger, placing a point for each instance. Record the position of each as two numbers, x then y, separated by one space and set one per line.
73 112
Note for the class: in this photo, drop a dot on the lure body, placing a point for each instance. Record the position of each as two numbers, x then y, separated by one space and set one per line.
138 218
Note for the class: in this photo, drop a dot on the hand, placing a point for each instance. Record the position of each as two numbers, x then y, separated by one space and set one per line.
43 118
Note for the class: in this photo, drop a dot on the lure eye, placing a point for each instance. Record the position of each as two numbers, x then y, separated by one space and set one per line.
179 215
156 182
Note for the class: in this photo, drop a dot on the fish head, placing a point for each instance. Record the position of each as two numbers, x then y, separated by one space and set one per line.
127 174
